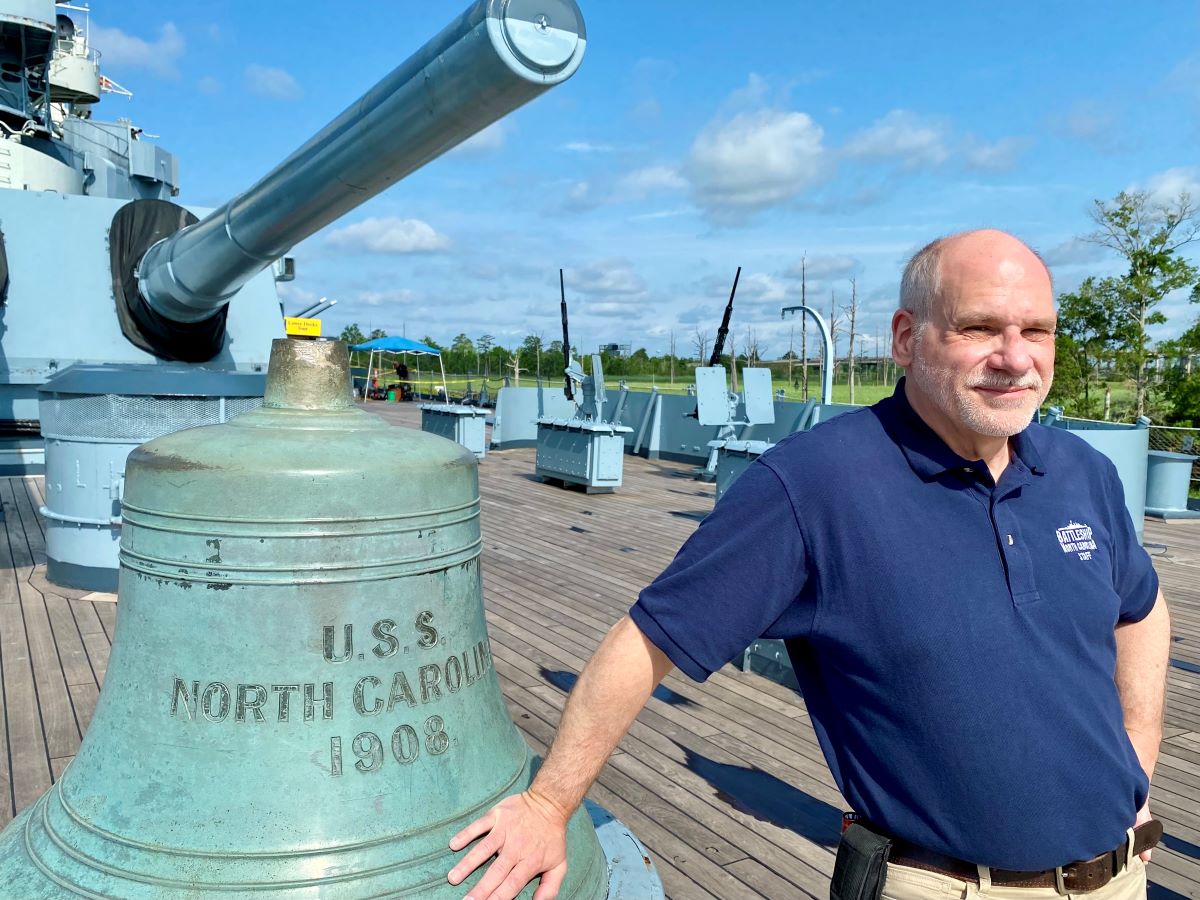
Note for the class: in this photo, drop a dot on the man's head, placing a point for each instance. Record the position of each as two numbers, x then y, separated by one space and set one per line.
975 330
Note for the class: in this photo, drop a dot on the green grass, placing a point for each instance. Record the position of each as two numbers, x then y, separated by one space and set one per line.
864 393
428 383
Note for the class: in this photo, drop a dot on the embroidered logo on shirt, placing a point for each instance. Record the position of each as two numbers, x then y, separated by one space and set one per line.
1076 538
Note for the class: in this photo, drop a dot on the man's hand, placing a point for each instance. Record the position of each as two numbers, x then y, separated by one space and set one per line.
1144 816
527 832
528 836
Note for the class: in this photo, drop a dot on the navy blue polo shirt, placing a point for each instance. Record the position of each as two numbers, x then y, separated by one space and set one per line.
953 637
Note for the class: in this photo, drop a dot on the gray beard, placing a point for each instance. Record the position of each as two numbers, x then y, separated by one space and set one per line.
942 385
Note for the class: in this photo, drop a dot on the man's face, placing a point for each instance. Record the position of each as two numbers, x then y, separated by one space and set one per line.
985 359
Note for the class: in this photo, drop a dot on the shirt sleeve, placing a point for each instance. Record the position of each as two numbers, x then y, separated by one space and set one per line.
1134 578
735 576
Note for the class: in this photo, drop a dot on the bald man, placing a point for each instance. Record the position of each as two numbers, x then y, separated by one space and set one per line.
978 636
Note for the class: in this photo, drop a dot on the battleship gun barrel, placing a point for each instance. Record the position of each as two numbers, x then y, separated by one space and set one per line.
495 57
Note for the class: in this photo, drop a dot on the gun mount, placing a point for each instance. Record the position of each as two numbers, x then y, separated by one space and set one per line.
99 196
585 449
716 404
491 60
173 273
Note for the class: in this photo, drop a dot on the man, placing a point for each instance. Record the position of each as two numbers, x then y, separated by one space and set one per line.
980 640
402 376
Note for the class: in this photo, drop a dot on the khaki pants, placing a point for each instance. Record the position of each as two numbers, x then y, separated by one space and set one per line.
904 883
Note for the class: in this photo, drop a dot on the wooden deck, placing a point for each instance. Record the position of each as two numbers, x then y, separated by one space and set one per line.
723 782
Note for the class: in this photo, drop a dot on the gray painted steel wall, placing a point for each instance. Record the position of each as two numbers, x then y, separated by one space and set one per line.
668 432
58 315
517 412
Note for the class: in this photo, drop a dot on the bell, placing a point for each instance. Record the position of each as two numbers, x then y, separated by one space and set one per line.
300 700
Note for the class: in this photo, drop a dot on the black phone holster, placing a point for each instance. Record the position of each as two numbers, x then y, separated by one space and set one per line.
861 866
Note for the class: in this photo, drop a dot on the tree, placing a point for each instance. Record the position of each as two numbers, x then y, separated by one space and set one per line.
533 345
672 356
1183 381
1070 377
376 333
483 345
1085 343
352 335
852 313
835 324
552 358
1148 234
700 341
804 324
514 363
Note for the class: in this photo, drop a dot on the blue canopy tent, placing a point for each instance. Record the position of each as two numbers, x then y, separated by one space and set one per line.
395 346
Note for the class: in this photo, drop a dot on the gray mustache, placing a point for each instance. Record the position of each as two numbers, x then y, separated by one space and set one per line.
1032 381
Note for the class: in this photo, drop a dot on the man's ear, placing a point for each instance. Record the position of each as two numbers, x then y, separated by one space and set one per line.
903 336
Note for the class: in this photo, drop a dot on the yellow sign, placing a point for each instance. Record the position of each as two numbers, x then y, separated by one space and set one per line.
302 327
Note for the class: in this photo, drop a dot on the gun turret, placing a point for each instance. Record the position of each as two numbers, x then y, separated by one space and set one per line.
174 279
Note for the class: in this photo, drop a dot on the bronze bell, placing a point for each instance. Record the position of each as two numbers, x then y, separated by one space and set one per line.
300 701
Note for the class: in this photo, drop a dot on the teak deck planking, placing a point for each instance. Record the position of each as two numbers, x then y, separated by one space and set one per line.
723 782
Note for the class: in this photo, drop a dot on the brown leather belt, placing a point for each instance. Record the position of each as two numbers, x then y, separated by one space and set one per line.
1076 877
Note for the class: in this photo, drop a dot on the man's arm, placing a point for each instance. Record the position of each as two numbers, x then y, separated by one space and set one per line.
527 831
1143 649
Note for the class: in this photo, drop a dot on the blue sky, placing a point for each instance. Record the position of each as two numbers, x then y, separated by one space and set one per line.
694 138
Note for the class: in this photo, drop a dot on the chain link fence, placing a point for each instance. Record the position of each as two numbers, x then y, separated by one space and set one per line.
1179 440
1170 438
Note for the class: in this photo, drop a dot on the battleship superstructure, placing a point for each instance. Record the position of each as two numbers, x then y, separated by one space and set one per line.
65 174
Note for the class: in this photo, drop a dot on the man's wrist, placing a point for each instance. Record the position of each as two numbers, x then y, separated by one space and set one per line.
554 809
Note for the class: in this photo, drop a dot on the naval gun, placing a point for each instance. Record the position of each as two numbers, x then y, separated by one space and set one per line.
585 449
717 405
187 288
103 193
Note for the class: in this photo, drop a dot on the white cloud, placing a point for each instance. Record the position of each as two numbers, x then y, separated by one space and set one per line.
389 236
123 50
1165 187
272 83
650 180
901 135
1075 252
580 197
614 309
588 147
754 160
208 86
385 298
754 288
488 140
661 214
695 315
1090 122
300 298
824 267
606 277
1000 156
1186 76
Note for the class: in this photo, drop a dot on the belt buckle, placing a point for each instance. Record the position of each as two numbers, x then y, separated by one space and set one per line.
1060 885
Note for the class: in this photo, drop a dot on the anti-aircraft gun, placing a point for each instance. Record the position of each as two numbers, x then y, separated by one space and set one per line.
184 287
585 449
716 404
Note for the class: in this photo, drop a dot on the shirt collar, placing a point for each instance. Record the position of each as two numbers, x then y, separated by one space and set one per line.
928 454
